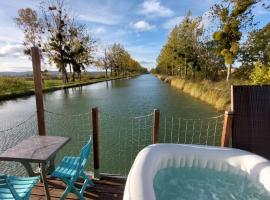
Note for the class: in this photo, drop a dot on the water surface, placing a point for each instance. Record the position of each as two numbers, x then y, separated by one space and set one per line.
121 137
128 97
205 184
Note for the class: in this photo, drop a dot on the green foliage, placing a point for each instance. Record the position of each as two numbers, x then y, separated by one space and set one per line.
256 48
79 49
186 53
29 22
117 58
260 74
180 53
233 14
57 22
10 85
217 35
55 31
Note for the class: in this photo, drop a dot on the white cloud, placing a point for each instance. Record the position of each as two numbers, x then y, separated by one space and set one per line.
145 54
154 8
99 30
106 20
142 26
17 64
11 50
172 22
10 33
147 63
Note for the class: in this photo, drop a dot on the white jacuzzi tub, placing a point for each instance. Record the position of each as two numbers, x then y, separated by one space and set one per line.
150 160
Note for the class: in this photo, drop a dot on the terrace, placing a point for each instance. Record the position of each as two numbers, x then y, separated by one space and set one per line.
105 188
116 142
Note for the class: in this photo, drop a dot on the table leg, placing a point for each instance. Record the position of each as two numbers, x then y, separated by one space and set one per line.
44 179
29 169
52 165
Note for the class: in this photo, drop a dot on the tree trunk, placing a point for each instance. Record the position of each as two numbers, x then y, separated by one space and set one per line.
229 72
205 73
185 71
73 76
106 72
80 76
185 67
70 70
193 74
64 74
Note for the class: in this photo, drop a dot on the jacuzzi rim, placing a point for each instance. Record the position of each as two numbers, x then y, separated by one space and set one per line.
139 183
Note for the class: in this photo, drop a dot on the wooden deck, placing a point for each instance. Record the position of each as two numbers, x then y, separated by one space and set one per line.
105 188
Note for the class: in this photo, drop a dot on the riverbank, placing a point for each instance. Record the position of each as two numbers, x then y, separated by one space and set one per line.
12 88
216 94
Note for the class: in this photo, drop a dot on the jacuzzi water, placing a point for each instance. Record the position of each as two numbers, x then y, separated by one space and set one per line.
205 184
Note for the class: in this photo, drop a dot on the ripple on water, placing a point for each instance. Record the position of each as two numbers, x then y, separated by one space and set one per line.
205 184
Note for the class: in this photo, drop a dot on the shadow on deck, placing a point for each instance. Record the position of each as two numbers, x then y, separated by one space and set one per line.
105 188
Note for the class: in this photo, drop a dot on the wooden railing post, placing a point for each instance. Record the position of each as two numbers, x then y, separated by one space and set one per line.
95 141
227 129
38 90
156 127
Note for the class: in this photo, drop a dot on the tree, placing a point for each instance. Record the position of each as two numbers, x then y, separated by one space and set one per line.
116 53
79 49
233 15
60 38
256 47
57 22
104 62
32 26
180 52
260 74
211 63
119 61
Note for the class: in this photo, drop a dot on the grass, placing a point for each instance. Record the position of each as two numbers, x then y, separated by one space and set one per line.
216 94
9 85
13 87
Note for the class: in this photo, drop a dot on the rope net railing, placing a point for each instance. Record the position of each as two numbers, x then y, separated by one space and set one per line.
203 131
78 127
11 136
120 137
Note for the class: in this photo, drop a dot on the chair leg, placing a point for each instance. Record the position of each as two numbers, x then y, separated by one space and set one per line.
27 197
66 181
71 188
90 181
85 183
67 190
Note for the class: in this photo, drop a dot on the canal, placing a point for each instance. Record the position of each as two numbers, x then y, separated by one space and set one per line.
125 118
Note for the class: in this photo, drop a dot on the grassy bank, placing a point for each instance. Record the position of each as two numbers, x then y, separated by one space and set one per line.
14 87
216 94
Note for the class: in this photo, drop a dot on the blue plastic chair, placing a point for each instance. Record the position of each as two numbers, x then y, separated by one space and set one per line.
71 169
14 187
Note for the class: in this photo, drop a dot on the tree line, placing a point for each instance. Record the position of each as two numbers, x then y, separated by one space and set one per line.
192 52
117 59
67 44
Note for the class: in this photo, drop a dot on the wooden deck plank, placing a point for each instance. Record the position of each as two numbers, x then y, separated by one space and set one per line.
105 188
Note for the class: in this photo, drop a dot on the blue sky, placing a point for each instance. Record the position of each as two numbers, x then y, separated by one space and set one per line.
142 26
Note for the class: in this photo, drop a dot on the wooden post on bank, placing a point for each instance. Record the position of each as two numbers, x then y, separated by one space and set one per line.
95 141
156 127
38 90
227 129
